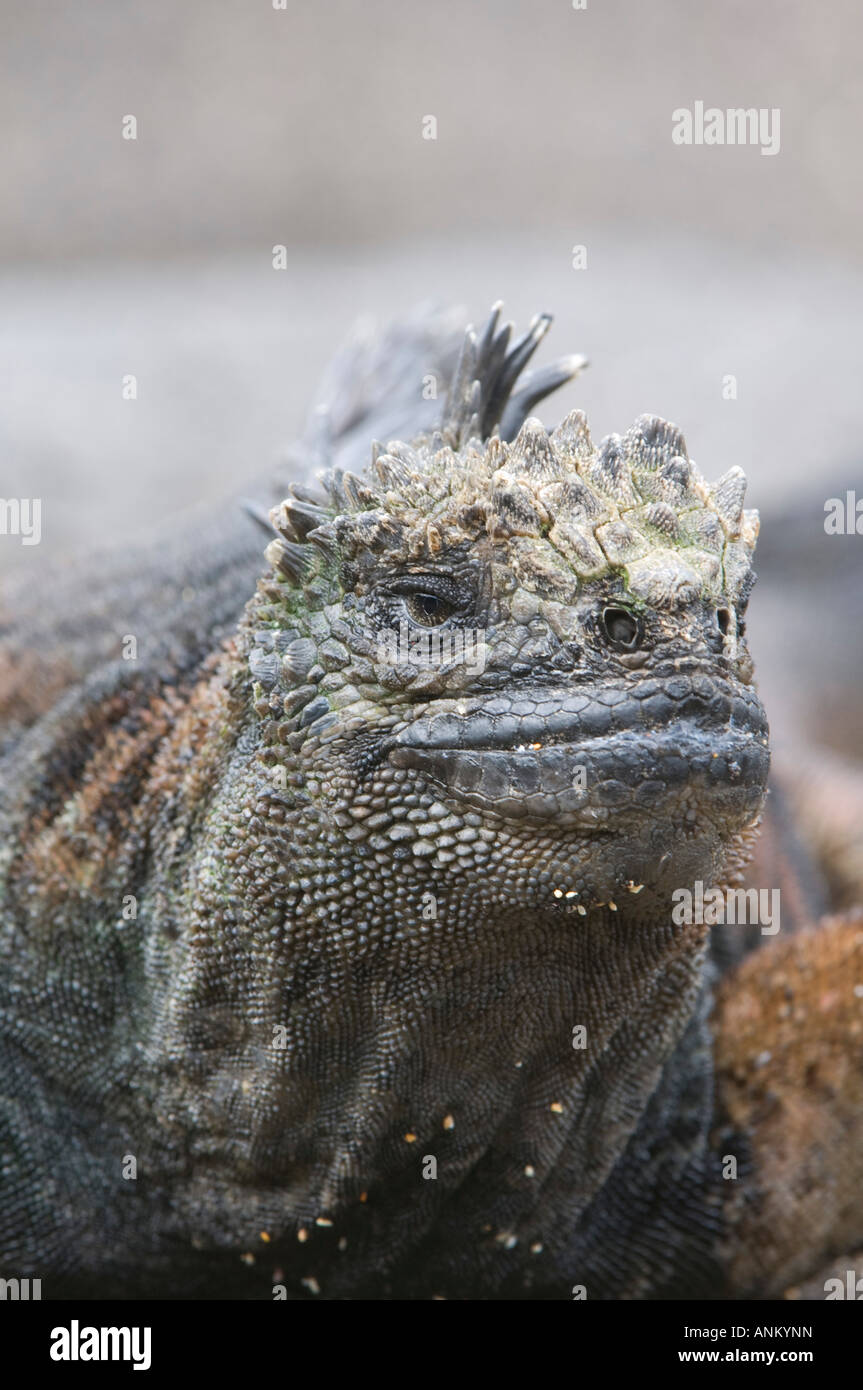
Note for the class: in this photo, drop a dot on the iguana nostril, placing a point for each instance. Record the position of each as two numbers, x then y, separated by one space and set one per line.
621 627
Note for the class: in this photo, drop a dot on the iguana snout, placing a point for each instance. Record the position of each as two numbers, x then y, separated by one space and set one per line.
596 758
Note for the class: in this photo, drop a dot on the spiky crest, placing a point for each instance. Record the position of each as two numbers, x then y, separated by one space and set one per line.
636 503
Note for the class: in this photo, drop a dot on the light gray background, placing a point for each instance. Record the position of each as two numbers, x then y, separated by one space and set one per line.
304 127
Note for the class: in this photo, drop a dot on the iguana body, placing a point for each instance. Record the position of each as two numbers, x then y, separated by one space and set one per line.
366 959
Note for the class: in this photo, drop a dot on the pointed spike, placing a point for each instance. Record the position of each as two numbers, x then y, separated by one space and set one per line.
532 455
300 517
332 481
472 431
611 472
534 386
393 474
292 560
491 364
317 496
677 473
514 363
489 330
491 360
462 382
354 490
280 524
727 494
405 454
496 454
652 441
572 439
471 427
324 538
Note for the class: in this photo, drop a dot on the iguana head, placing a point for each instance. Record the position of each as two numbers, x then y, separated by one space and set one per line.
518 662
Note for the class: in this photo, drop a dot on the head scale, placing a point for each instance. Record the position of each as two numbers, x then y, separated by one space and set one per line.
635 504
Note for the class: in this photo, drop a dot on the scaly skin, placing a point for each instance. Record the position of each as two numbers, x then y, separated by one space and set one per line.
289 914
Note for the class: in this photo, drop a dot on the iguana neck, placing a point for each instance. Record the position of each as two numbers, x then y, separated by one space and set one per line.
518 1049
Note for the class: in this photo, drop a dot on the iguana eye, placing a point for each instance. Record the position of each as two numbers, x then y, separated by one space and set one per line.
621 628
427 599
428 609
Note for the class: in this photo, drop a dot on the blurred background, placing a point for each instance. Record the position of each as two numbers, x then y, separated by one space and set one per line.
304 127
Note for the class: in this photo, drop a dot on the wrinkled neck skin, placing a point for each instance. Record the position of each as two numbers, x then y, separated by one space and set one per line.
430 1075
357 1014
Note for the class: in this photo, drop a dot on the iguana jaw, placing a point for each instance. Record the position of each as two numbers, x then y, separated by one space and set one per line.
596 759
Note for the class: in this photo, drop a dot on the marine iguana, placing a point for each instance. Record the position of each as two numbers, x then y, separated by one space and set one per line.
338 953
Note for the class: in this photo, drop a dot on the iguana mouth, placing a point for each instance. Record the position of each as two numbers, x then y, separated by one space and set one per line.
589 757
